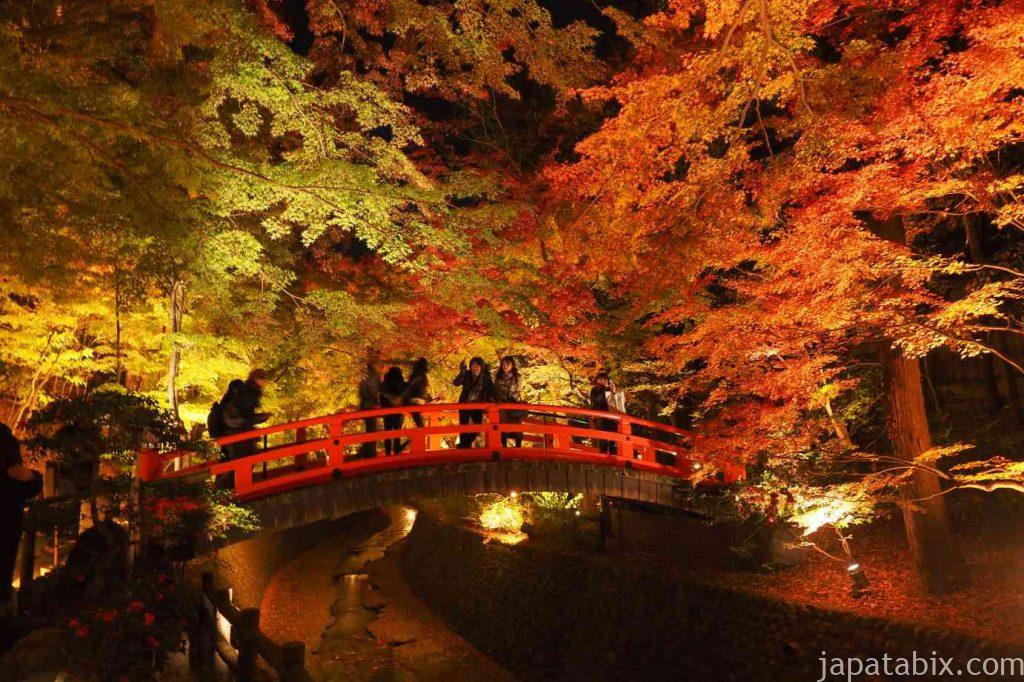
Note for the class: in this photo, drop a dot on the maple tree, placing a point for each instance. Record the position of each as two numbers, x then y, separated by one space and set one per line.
761 213
788 164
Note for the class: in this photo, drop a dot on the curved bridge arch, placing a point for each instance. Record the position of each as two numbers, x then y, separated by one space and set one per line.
339 498
304 471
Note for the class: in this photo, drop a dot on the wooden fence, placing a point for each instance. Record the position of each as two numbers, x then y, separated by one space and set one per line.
233 635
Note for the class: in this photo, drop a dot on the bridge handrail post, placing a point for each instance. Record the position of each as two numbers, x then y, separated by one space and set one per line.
335 451
626 445
300 437
242 476
418 440
150 465
492 437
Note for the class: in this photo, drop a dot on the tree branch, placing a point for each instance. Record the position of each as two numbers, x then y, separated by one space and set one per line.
41 111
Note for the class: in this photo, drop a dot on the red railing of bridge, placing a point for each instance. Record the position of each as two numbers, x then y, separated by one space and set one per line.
312 451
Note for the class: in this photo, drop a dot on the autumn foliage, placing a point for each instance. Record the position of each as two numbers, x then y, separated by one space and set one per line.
745 208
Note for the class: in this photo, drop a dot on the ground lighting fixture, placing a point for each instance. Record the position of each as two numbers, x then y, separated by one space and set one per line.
858 579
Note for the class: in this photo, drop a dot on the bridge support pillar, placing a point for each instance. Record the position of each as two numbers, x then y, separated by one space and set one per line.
604 524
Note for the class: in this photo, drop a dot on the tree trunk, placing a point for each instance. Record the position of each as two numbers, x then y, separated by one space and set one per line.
176 304
842 434
998 341
118 303
976 250
929 535
34 386
935 552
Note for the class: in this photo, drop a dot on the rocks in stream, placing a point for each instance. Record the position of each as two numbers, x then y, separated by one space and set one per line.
371 597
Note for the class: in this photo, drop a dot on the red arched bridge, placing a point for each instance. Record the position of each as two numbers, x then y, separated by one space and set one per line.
307 470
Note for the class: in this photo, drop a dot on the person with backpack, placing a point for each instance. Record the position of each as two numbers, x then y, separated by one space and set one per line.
215 424
239 411
217 420
477 387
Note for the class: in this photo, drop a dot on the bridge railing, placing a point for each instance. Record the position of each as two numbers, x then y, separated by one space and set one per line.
309 451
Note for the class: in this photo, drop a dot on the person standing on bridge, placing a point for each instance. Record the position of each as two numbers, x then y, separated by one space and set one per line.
391 391
417 391
369 399
506 383
605 397
477 387
240 414
225 417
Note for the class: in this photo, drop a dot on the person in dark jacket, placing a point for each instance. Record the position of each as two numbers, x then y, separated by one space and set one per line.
477 387
601 399
506 384
231 419
391 392
249 397
417 391
369 399
18 484
241 412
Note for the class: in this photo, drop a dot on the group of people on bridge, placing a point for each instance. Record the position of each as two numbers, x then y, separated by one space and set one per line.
391 389
238 410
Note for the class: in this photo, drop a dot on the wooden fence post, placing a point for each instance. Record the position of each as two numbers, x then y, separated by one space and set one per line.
201 640
245 635
28 550
50 480
293 662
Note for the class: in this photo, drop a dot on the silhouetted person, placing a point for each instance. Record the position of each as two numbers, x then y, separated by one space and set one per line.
225 417
369 399
506 384
18 484
606 398
417 390
241 413
391 391
477 387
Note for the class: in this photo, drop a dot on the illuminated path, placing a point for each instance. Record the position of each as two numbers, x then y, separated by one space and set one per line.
319 468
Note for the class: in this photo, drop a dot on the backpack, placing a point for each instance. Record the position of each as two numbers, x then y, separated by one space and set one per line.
215 421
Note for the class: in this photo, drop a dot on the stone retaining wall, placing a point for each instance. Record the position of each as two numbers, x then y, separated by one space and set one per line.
579 617
249 565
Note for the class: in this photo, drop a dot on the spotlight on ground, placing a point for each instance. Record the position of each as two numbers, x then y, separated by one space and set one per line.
858 580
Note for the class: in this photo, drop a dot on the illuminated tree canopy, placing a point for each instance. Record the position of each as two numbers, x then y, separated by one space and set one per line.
762 213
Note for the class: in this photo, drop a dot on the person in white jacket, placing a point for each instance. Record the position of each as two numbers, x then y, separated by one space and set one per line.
605 397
